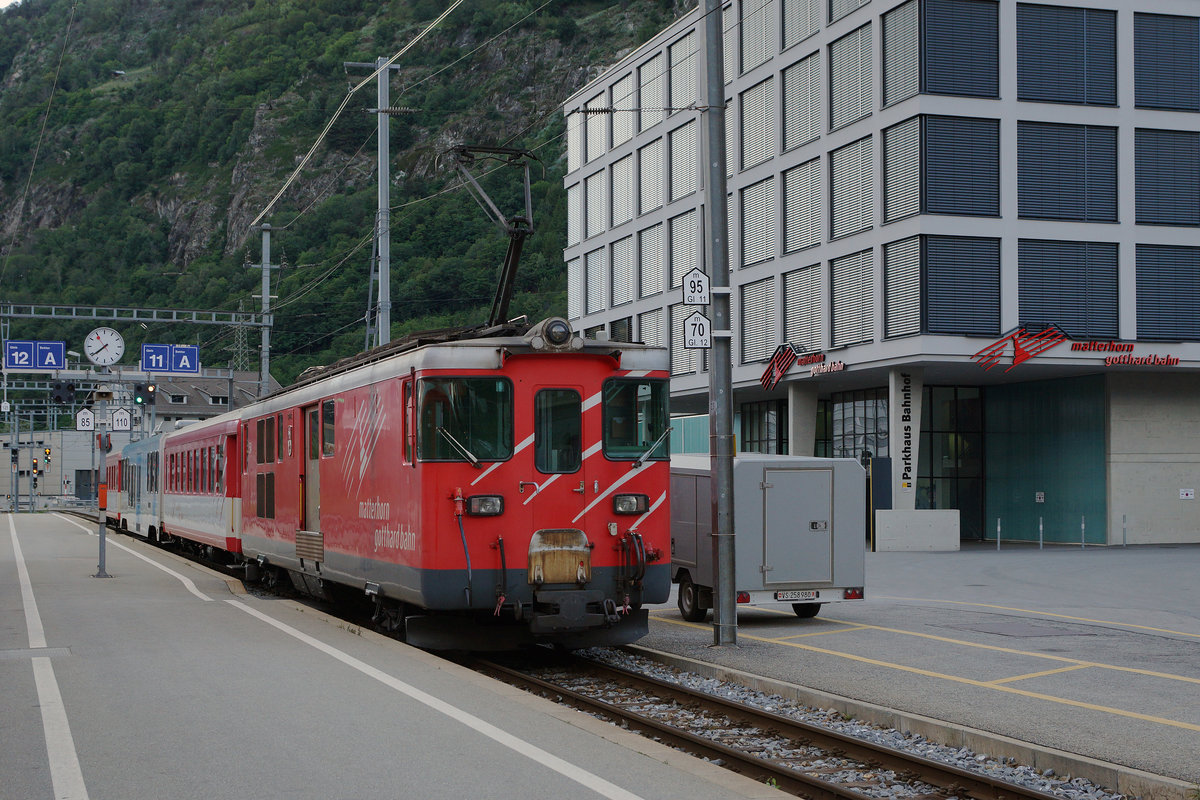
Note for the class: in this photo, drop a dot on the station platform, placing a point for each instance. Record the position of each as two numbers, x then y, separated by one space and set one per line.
166 680
1084 661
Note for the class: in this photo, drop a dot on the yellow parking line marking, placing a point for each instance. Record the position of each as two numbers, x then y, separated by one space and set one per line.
824 633
969 681
1049 614
965 681
1038 674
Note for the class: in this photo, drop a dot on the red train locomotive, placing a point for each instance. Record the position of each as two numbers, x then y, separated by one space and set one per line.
483 491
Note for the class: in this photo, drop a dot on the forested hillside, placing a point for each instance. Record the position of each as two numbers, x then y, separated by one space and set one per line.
139 139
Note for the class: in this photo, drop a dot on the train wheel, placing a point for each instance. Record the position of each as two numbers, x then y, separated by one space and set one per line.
806 610
389 617
689 602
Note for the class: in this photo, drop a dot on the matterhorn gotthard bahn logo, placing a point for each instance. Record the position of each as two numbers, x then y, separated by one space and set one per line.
1021 345
1024 346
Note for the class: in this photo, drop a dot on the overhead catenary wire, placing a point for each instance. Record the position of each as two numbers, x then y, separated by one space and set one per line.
342 107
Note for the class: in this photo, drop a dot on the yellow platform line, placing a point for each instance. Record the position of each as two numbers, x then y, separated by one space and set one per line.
1041 674
1049 614
956 679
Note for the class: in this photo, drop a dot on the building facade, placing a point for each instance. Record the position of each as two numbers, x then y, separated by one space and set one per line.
964 236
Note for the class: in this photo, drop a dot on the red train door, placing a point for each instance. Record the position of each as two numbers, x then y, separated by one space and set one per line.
311 476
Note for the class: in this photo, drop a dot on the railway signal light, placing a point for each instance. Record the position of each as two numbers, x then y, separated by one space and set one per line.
62 392
35 467
143 394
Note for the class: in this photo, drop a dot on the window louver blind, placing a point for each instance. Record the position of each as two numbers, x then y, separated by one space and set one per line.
756 33
574 214
902 170
902 287
650 329
802 308
1167 168
961 47
651 99
1067 171
1168 292
850 77
801 19
1066 55
574 288
683 72
1166 62
852 292
1069 284
624 101
758 222
802 102
962 285
850 186
684 162
802 206
651 260
622 271
758 123
622 190
683 361
596 123
650 179
594 188
901 53
595 280
962 165
758 321
685 254
730 30
576 125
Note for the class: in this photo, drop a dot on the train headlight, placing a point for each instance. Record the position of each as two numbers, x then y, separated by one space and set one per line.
630 503
557 332
485 505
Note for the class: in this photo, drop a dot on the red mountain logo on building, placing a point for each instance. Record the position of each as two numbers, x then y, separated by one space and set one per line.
785 355
1024 346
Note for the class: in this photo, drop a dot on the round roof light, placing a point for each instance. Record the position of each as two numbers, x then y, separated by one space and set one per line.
557 332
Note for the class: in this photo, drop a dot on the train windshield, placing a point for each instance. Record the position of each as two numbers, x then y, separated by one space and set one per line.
465 419
636 419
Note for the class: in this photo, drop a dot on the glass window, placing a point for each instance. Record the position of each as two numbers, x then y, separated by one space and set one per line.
764 427
1067 171
850 77
961 46
465 415
410 433
558 431
314 435
327 428
636 417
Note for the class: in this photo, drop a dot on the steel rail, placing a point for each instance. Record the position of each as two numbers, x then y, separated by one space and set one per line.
949 779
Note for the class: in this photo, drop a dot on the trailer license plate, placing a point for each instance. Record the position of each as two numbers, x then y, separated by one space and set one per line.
802 594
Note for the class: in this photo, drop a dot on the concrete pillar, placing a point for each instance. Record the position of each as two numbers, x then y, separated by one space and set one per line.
802 418
905 385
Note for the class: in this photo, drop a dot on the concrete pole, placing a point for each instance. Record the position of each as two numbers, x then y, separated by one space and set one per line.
384 224
102 529
265 377
720 396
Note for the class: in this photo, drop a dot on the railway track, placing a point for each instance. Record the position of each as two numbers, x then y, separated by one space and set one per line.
797 757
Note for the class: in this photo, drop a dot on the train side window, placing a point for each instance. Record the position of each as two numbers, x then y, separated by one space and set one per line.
245 447
327 428
465 415
279 437
409 431
314 435
220 469
558 430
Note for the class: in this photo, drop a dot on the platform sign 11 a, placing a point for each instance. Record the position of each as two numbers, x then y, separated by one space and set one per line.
22 355
170 358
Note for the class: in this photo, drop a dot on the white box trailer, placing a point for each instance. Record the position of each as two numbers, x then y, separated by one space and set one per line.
799 531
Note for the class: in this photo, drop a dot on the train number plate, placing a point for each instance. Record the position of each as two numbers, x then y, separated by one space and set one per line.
801 594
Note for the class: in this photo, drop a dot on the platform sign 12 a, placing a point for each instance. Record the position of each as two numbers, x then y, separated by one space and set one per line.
22 355
170 358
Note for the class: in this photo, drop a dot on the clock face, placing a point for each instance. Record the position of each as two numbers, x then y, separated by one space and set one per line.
104 346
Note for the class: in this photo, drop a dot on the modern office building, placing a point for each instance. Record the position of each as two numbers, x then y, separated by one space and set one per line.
964 235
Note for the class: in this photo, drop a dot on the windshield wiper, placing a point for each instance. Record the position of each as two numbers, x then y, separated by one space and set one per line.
457 445
642 458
